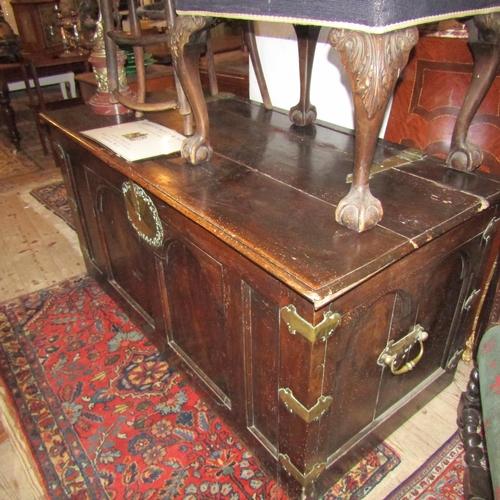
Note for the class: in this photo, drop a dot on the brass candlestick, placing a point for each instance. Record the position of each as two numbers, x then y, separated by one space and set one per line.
100 101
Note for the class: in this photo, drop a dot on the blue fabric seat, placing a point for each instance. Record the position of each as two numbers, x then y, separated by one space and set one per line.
376 17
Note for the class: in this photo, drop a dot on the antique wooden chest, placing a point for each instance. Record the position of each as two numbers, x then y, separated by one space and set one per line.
313 340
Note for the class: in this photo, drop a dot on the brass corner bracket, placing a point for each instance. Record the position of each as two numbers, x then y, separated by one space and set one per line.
322 330
295 406
303 479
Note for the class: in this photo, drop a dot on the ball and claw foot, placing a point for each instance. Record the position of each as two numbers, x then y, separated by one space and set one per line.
196 150
301 118
359 211
466 157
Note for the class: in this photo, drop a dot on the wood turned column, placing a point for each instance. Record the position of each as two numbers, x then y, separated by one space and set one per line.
484 43
373 63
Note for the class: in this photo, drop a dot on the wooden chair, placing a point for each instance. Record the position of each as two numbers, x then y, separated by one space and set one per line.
138 42
479 421
6 69
478 414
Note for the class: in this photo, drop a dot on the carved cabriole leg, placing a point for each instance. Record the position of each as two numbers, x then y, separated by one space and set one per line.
187 45
484 42
304 113
373 64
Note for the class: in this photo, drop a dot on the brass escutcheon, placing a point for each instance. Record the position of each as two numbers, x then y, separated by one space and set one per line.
142 214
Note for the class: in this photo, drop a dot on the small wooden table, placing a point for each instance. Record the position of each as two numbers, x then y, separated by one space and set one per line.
158 77
50 63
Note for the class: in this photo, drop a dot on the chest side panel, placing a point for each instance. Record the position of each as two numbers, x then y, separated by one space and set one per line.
428 288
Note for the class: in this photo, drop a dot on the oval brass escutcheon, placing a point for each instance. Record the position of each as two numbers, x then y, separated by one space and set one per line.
142 214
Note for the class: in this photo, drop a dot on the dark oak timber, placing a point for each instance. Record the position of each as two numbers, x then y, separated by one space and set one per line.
275 310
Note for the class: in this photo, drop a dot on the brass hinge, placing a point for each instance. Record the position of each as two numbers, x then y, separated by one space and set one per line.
402 158
453 362
491 229
295 406
303 479
322 330
72 204
471 299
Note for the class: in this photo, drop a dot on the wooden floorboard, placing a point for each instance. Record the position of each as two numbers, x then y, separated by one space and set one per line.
39 248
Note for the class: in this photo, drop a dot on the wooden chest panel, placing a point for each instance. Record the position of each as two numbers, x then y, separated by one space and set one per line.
246 241
427 289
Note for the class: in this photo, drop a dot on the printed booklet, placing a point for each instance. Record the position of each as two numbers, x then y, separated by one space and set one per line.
138 140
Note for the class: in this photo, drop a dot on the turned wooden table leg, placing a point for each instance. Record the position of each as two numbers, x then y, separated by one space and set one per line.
484 42
188 42
373 63
304 113
9 115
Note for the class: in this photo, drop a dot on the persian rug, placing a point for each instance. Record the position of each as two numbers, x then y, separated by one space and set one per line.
108 417
439 478
54 197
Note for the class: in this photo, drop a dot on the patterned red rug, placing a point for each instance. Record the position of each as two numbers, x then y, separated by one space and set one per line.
108 417
54 197
440 478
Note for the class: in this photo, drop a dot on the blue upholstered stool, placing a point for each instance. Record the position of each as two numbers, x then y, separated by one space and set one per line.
374 40
374 17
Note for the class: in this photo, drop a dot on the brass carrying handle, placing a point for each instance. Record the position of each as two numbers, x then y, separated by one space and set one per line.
391 353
